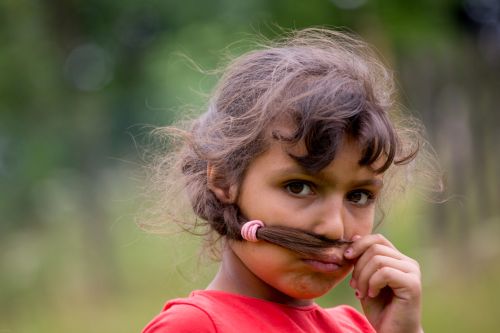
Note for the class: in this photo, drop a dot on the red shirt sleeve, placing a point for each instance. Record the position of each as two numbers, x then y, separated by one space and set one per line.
181 318
351 320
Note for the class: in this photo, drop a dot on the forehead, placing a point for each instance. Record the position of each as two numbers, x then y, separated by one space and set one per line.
351 150
278 161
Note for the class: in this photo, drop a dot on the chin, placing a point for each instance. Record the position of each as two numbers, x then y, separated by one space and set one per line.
308 295
311 290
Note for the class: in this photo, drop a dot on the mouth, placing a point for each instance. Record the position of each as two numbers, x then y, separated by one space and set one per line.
328 264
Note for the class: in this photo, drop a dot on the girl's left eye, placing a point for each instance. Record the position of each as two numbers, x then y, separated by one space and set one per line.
298 188
360 197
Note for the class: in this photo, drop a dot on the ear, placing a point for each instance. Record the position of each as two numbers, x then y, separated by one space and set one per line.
226 193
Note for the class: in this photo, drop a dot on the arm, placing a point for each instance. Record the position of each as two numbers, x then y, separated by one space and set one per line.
387 283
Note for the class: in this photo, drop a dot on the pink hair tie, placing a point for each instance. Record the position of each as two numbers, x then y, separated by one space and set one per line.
249 230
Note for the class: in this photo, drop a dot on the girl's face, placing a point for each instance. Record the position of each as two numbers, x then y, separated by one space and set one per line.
337 202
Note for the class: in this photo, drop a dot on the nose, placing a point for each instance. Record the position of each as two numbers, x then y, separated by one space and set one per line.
331 218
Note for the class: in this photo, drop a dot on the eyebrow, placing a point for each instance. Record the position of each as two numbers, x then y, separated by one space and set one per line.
368 182
356 183
292 169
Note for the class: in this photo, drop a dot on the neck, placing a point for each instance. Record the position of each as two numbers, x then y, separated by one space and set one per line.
234 277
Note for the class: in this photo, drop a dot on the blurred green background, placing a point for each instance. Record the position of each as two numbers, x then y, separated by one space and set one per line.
80 81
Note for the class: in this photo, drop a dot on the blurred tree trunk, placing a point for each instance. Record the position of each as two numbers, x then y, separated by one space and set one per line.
87 143
456 98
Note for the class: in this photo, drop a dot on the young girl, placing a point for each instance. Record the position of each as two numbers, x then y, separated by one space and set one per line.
286 168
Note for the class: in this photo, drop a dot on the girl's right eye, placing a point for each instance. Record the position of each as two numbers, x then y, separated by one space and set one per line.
299 188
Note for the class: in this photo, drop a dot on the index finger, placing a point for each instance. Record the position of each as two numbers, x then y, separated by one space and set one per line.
361 244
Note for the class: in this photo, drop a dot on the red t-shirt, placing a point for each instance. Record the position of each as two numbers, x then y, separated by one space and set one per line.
212 311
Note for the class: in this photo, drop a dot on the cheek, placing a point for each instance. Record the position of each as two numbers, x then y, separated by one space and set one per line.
267 204
268 263
261 258
360 222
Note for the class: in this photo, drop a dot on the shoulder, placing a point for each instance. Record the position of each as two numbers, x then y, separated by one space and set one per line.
350 318
182 317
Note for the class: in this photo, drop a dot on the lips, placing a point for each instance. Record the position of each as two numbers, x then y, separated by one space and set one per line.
327 264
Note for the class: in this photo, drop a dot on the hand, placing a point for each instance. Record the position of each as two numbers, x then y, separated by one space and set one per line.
387 283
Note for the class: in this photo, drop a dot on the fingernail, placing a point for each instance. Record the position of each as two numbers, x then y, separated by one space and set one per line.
352 283
355 237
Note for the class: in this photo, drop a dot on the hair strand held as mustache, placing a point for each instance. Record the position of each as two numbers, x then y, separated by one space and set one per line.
297 240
